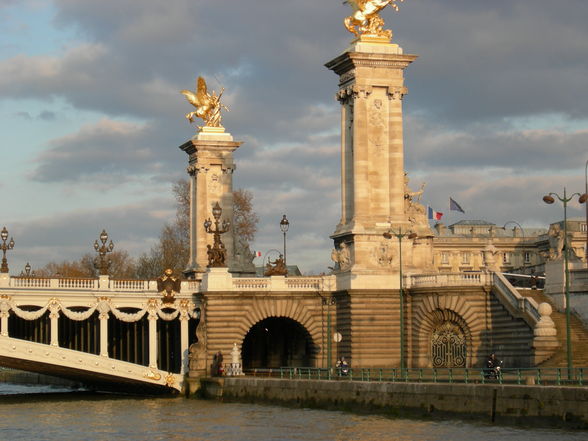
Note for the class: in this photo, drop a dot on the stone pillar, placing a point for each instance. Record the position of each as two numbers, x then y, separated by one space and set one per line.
371 88
103 334
184 317
4 314
152 340
4 324
211 167
54 317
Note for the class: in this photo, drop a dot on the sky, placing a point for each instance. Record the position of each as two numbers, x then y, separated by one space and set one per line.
91 116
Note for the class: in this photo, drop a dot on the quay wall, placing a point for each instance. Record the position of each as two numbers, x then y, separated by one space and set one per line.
547 406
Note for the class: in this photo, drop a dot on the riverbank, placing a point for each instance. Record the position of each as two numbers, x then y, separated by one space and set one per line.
544 406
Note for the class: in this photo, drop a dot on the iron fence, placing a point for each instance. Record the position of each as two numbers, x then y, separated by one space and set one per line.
522 376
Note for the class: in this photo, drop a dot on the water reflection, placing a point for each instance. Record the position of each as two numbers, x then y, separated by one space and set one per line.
76 416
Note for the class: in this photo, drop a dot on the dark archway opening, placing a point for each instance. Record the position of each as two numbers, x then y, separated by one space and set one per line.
278 342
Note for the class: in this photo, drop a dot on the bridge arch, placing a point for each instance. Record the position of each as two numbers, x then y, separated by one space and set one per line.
288 313
278 341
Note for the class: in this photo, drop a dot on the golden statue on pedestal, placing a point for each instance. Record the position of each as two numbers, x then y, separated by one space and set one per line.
208 106
366 17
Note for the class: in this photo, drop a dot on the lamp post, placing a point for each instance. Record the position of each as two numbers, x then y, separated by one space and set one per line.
522 232
284 225
549 199
5 247
328 302
400 235
103 250
586 192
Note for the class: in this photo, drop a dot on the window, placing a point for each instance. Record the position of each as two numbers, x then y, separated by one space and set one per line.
584 228
527 257
506 257
444 257
465 257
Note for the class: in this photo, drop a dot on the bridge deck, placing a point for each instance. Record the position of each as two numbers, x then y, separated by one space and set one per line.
95 371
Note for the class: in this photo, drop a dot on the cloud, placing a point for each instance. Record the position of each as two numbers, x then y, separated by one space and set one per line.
108 150
24 115
133 227
432 145
47 115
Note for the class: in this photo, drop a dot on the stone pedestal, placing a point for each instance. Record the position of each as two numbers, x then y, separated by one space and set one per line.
545 341
211 170
4 280
217 279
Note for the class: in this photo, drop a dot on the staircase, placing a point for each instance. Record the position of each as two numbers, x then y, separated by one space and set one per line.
579 334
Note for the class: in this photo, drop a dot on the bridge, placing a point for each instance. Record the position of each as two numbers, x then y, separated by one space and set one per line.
123 335
108 334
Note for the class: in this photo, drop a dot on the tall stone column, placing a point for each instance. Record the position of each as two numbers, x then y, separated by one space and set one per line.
371 88
211 167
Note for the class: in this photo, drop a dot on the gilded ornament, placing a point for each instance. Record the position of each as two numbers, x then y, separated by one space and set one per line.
365 19
208 105
170 380
167 285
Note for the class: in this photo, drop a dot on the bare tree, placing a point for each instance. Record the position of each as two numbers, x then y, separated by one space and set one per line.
122 266
245 219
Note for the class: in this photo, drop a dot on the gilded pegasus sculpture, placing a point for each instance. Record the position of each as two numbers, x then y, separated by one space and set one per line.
365 18
208 106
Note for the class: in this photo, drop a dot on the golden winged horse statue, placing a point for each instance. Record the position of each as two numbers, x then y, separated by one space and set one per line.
208 106
365 18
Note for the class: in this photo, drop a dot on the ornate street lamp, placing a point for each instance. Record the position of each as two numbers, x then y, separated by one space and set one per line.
284 225
401 235
5 247
217 254
103 250
549 199
27 271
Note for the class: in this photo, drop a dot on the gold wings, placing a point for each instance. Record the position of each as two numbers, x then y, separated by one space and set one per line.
200 98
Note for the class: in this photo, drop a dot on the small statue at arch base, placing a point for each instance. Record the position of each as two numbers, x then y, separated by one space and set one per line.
235 368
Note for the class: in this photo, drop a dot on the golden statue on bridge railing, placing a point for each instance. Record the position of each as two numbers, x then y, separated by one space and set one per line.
208 106
365 20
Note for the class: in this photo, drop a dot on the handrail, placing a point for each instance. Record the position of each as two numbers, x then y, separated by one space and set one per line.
519 306
519 376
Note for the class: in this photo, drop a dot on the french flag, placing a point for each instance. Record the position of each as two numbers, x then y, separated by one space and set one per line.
434 215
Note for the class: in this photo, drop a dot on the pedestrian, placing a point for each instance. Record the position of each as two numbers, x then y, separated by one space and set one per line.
342 366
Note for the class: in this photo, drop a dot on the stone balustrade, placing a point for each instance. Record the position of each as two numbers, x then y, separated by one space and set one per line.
447 279
104 283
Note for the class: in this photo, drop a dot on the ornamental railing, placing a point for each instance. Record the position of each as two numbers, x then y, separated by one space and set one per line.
85 284
519 376
447 279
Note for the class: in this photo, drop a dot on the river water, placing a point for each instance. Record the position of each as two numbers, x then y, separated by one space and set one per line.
48 413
